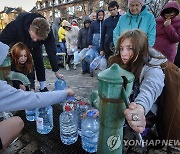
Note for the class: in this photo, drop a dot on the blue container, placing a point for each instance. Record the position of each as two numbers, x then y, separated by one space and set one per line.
90 132
31 115
44 119
60 84
68 126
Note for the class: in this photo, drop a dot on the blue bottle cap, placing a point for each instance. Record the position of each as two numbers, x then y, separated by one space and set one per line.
70 98
91 113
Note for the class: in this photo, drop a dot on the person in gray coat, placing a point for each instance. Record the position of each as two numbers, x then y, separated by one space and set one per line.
12 99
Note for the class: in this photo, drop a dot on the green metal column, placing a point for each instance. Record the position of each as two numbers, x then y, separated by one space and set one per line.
111 108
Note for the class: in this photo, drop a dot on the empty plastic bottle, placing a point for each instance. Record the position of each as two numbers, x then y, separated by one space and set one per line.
95 63
90 132
44 119
68 126
31 115
60 84
103 64
81 110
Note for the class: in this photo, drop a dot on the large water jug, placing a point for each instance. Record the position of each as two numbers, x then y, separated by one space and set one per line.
103 64
90 132
81 110
31 115
68 126
95 63
44 119
60 84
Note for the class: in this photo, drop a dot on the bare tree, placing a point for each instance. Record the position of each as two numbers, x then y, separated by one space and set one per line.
156 6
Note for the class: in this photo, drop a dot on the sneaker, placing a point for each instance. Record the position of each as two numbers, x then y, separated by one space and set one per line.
74 67
67 67
43 90
84 72
91 74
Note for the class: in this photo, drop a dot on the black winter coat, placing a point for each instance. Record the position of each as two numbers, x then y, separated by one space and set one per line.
18 31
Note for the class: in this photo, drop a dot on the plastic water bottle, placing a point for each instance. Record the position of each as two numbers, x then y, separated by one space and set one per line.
90 132
68 126
95 63
60 84
44 120
81 110
103 64
31 115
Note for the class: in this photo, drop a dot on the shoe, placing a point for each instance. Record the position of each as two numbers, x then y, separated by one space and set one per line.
91 74
44 90
74 67
67 67
83 72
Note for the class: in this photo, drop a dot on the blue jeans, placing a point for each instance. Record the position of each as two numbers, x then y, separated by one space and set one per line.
63 47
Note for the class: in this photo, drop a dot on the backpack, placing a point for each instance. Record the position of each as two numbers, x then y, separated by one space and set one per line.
168 115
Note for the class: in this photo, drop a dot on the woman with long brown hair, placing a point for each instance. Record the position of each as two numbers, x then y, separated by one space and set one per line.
134 55
22 62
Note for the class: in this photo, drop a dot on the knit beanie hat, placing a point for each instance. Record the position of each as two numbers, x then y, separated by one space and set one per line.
140 1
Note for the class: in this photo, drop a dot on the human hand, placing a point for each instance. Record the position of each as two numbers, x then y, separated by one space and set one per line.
70 92
136 111
58 75
167 22
102 53
22 87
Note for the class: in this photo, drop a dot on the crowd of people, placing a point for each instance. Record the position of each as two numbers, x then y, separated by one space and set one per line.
136 40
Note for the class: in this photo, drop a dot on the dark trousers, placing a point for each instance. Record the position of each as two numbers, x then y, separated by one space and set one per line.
69 57
107 51
39 65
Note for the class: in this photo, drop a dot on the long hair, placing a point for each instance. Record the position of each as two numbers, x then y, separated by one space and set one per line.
15 54
140 49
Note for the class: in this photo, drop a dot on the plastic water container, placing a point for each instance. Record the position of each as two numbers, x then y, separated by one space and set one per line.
103 64
60 84
90 132
68 126
81 110
95 63
44 119
31 115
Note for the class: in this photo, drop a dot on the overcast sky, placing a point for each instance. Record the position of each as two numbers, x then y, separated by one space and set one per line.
25 4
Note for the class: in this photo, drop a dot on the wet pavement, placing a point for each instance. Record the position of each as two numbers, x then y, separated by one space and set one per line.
29 143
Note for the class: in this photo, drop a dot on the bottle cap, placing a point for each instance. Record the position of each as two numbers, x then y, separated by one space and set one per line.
91 113
82 103
67 108
70 98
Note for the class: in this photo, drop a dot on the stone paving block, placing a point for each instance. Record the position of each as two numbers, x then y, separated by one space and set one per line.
29 148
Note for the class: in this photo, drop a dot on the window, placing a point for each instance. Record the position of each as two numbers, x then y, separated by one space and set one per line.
79 8
71 10
101 3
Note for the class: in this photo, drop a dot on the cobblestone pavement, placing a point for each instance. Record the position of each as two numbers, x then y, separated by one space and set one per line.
82 85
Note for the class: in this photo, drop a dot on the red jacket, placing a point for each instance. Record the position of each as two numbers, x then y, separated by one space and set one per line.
167 37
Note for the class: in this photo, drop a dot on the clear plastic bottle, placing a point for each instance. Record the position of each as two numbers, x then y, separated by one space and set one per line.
60 84
31 115
44 119
68 126
90 132
95 63
81 110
